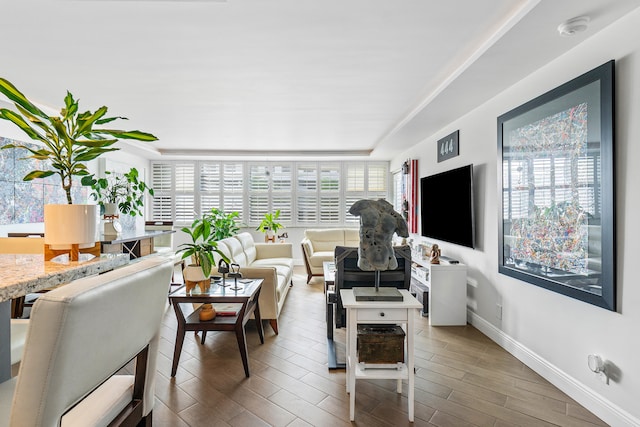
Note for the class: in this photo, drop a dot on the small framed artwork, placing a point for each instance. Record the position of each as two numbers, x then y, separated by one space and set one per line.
556 170
449 146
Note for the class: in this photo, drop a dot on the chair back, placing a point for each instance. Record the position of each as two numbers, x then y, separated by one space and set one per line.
82 333
349 275
21 245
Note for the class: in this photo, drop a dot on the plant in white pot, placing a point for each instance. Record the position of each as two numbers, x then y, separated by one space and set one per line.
270 226
200 250
118 193
67 142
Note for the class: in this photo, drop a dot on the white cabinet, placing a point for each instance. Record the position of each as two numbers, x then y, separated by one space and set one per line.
385 312
447 292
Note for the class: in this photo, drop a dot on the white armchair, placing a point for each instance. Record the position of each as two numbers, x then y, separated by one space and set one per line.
80 335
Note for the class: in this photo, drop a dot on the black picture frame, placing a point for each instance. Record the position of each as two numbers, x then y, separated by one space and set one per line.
556 176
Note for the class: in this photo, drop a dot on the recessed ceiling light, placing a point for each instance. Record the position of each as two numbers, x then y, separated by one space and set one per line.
573 26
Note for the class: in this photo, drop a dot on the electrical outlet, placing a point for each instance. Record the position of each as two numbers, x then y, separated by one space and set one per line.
499 311
604 378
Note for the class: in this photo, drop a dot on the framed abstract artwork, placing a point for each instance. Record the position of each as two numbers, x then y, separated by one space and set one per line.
557 219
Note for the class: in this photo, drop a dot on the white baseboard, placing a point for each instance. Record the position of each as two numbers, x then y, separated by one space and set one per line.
587 397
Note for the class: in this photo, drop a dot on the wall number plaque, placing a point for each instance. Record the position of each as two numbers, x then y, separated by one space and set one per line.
449 146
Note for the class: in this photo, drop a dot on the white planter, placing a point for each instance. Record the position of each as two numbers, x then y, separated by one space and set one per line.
111 228
193 273
66 225
111 209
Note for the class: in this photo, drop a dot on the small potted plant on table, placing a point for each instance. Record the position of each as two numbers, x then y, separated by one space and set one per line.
270 226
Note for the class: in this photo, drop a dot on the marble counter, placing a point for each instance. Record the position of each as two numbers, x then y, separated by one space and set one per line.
23 274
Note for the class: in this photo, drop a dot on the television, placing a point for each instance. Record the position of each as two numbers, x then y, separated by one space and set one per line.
446 206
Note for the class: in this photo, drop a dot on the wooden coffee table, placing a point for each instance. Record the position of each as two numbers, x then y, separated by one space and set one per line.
247 294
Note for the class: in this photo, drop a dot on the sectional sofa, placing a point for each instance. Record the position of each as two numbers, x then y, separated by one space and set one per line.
272 262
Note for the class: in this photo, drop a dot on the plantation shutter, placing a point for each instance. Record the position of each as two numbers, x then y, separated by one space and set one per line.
210 185
281 192
233 189
355 189
329 189
307 192
162 184
185 192
258 192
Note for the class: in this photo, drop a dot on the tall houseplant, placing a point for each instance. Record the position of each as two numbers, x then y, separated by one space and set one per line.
68 140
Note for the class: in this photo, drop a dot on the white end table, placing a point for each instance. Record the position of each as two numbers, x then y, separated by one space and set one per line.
384 312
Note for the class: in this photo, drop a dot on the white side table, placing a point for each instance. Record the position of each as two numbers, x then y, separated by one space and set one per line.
385 312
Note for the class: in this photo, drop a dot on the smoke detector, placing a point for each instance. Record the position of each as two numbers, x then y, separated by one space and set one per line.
573 26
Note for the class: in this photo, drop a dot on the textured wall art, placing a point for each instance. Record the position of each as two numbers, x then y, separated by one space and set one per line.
21 201
557 227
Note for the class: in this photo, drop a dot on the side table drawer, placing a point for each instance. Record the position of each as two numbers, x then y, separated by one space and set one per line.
382 314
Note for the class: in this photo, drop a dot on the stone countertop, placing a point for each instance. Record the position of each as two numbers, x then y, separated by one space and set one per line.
23 274
129 236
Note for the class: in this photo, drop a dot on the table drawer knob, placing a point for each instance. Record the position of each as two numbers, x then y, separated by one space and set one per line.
382 314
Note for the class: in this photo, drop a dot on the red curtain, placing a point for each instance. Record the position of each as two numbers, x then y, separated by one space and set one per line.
410 191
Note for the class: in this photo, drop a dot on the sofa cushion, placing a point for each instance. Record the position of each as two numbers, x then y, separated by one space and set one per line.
318 258
325 239
351 237
274 262
248 246
236 251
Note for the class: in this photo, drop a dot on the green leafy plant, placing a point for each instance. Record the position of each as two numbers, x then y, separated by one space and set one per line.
202 247
69 140
269 222
223 224
125 190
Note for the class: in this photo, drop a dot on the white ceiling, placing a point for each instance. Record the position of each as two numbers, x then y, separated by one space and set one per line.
270 78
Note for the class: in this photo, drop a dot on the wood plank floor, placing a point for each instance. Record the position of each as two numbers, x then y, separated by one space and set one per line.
462 379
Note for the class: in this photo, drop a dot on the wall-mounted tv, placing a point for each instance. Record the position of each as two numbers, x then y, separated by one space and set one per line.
446 206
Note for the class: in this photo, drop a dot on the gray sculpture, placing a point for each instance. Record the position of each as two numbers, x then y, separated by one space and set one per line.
378 222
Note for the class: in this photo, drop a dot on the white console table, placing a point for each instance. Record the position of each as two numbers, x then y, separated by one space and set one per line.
447 290
385 312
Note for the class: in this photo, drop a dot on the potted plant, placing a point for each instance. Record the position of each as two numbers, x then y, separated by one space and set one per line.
201 252
67 141
203 245
118 193
270 226
223 225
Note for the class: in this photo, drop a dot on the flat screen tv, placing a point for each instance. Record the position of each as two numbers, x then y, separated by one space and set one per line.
446 206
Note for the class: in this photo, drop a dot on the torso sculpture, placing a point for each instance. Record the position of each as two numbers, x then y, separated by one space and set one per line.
378 222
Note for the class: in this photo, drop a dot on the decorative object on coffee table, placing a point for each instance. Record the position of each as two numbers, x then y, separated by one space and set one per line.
378 223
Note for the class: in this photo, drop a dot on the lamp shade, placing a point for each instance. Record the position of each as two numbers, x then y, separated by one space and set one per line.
70 224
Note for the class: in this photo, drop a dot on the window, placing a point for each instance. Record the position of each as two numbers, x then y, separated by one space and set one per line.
307 193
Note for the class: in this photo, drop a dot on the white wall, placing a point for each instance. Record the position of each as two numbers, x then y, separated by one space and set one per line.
550 332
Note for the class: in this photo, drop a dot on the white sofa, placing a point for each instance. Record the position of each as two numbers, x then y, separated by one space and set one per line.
272 262
318 246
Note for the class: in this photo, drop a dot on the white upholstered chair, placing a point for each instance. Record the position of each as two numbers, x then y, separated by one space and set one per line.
80 335
19 245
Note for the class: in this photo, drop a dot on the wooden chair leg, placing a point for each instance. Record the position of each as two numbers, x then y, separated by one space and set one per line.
17 307
274 325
